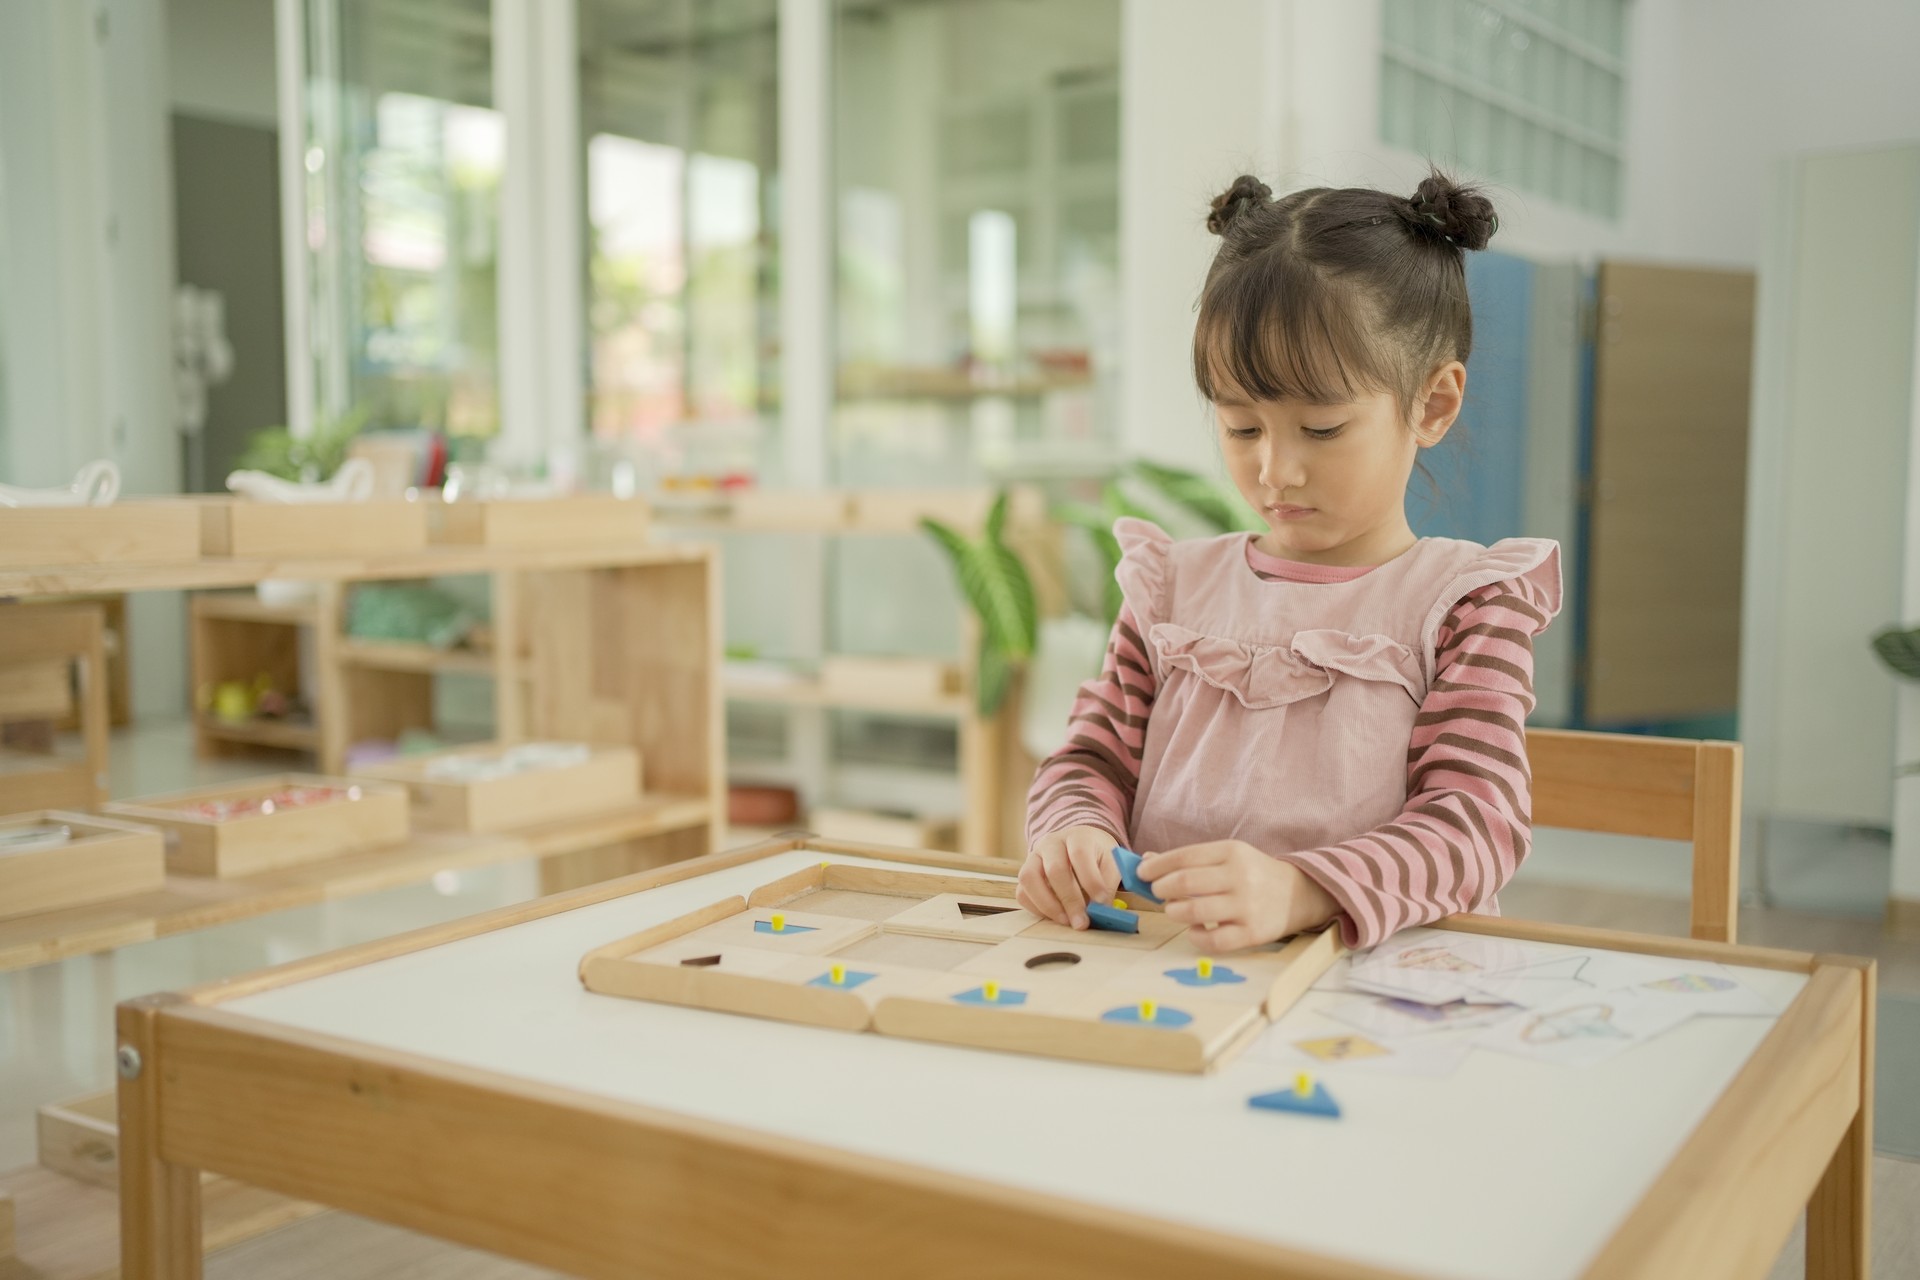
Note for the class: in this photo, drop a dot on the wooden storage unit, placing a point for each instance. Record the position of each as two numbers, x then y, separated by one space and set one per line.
101 859
609 776
582 519
370 815
245 528
150 532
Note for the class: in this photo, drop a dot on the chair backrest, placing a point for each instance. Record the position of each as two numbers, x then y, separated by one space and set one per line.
1665 788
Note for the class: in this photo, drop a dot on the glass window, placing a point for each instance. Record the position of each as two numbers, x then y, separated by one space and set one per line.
1530 92
976 149
415 152
678 115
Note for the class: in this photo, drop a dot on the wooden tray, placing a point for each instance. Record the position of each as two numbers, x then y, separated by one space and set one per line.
248 529
609 776
866 827
101 859
155 532
242 845
584 519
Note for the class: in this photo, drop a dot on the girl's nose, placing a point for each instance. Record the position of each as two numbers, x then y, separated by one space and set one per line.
1280 469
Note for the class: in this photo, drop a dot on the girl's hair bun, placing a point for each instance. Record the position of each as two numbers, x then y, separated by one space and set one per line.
1236 200
1447 210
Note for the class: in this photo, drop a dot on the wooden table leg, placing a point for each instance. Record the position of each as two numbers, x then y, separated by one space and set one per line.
159 1202
1839 1216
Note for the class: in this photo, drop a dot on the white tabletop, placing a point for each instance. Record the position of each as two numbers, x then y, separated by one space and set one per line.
1506 1168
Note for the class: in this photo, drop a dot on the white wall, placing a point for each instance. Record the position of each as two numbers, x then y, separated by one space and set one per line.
220 60
88 314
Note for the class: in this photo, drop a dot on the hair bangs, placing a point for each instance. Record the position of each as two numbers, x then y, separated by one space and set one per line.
1278 330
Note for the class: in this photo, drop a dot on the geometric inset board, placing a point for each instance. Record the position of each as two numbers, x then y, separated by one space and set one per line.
951 958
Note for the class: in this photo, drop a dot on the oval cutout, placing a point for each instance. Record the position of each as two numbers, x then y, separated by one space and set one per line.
1054 960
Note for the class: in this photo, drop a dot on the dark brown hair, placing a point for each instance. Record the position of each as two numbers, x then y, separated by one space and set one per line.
1329 294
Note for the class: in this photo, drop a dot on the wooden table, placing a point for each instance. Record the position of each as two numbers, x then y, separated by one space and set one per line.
459 1081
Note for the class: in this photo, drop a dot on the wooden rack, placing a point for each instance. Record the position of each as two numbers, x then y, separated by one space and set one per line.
619 645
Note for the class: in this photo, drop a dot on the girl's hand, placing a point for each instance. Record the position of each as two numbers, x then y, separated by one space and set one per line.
1066 870
1235 896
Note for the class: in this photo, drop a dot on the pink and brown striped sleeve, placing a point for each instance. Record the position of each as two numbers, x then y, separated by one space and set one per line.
1091 780
1468 820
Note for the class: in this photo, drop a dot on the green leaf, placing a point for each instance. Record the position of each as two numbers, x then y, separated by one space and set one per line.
996 584
955 546
993 676
997 517
1899 648
1196 494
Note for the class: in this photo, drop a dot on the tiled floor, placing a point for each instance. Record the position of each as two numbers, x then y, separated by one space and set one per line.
1827 890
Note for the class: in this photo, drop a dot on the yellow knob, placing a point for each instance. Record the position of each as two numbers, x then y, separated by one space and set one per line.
1205 966
838 975
1120 904
779 923
1146 1011
991 990
1303 1085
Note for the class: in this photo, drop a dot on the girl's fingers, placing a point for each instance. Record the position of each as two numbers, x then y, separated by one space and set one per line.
1095 870
1209 909
1066 889
1155 865
1193 882
1036 895
1228 937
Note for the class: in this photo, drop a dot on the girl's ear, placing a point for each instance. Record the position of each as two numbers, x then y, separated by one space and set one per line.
1440 403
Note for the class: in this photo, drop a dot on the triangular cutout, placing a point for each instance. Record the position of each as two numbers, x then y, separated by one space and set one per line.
982 909
700 962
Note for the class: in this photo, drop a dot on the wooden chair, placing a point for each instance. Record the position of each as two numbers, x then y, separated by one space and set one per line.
1665 788
38 644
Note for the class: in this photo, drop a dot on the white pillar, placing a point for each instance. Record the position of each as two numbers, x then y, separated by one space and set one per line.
807 249
1202 99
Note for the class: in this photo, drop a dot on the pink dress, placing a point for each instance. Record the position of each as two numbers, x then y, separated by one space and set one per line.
1366 727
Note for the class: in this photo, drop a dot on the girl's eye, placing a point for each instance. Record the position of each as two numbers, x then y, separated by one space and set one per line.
1321 433
1243 433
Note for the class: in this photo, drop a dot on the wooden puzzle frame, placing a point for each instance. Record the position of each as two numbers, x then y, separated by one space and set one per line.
916 954
586 1184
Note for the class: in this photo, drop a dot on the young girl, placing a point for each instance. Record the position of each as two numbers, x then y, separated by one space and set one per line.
1324 721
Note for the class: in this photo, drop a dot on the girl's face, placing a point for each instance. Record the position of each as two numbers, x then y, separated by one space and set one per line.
1331 479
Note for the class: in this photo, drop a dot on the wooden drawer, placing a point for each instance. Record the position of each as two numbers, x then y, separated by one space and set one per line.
100 859
579 520
363 815
606 777
246 529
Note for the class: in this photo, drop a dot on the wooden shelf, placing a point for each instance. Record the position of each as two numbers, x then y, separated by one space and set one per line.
293 735
244 606
400 655
432 562
198 902
811 693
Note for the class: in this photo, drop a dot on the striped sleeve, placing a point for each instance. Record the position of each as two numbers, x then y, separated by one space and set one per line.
1467 823
1092 778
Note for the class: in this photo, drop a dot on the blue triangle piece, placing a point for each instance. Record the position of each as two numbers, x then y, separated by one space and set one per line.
1317 1103
1129 863
1112 919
